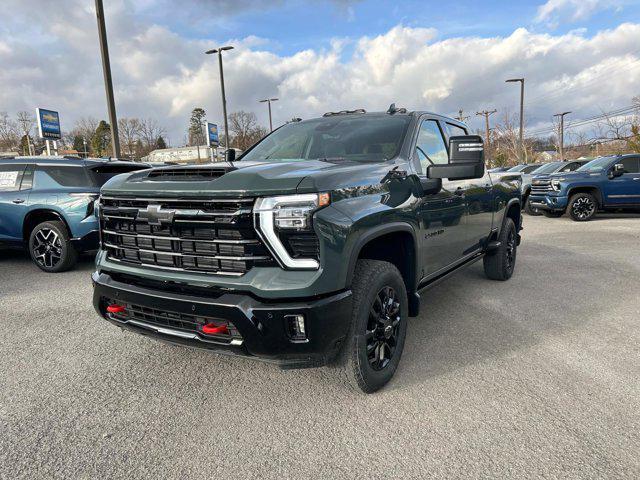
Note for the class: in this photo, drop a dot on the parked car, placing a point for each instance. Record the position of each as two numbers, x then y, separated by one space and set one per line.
606 183
498 169
543 172
47 205
312 248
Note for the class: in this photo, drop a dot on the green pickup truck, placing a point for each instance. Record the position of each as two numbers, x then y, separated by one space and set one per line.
311 249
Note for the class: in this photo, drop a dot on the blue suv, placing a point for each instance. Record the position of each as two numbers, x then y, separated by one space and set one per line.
606 183
47 204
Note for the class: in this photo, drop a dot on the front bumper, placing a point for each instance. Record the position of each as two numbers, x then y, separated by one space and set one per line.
262 325
90 241
549 202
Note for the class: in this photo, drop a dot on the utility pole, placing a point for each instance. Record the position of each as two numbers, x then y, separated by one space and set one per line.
561 133
108 84
268 101
486 114
521 139
224 98
461 117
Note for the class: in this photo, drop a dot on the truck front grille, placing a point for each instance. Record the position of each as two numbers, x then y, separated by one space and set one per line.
201 235
541 186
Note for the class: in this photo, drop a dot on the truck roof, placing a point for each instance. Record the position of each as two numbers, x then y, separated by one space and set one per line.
396 112
66 160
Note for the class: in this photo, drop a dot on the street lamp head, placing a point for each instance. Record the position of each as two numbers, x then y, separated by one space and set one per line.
515 80
217 50
273 99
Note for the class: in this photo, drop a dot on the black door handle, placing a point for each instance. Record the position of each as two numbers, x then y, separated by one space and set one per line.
18 200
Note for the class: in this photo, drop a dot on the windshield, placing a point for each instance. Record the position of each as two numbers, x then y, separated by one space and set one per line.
595 165
360 138
517 168
105 172
548 168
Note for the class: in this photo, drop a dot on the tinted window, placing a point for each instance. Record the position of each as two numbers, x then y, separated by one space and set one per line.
455 130
596 165
630 165
10 177
52 176
530 168
547 168
430 146
103 173
360 138
517 168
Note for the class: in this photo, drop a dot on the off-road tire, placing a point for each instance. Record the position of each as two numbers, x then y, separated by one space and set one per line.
353 366
500 263
60 256
582 207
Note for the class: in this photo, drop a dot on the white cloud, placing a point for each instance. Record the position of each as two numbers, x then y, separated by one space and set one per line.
158 73
573 10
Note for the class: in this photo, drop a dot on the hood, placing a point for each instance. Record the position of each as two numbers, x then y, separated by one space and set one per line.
573 175
246 179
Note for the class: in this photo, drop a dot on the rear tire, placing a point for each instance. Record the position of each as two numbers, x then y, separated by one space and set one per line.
374 344
500 264
50 247
582 207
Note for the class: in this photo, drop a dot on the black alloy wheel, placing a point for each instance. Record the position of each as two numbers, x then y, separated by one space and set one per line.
47 248
51 248
383 328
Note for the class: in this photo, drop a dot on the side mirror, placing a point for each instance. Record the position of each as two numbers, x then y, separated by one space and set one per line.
230 155
466 159
618 170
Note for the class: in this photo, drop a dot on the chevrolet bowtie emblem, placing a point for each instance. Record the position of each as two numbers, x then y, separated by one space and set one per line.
155 215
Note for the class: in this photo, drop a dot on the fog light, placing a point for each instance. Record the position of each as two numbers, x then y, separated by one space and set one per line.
296 328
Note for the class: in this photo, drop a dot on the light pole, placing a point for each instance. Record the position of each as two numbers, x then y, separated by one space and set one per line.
561 115
224 98
521 139
268 101
108 84
84 143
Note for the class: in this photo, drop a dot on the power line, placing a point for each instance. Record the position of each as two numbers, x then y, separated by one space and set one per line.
614 113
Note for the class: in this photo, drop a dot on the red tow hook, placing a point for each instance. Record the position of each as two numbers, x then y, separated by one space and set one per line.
213 329
115 309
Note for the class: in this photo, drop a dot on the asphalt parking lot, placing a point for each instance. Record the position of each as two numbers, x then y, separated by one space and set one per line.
536 377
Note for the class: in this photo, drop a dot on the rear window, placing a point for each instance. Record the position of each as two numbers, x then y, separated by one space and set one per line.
101 174
48 176
10 176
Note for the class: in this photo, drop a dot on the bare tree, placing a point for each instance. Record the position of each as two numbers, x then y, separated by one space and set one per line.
129 131
9 134
245 130
150 130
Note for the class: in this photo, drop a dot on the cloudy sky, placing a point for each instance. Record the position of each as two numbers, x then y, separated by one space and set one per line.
316 56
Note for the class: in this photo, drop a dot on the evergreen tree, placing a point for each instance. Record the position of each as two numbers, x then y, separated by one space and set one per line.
101 140
196 134
160 143
78 144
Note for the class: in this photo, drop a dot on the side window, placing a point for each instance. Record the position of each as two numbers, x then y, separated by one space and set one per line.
10 177
54 176
571 167
455 130
530 168
630 164
430 147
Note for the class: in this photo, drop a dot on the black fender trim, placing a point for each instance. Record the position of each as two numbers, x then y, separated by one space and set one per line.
506 210
374 233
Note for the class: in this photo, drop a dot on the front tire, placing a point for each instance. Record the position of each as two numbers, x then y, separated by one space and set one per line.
583 207
500 264
50 247
530 210
375 341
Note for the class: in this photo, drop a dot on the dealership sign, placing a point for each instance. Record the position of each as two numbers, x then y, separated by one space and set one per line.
48 124
212 131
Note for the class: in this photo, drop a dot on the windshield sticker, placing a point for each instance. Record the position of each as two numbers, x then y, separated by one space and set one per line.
8 179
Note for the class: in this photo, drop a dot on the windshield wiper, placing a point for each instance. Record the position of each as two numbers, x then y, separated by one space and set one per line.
332 159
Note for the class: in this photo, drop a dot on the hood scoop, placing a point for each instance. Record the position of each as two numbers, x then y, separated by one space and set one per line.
182 174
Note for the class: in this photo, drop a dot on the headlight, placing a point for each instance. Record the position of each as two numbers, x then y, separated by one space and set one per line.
555 184
288 213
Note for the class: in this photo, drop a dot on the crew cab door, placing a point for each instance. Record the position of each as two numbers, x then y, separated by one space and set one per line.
442 216
12 202
479 202
625 189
